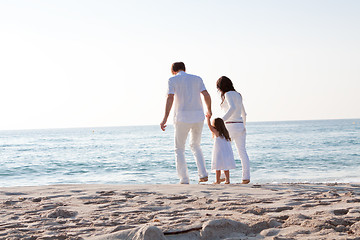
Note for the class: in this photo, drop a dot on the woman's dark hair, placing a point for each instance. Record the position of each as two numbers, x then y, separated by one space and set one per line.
224 85
177 66
220 127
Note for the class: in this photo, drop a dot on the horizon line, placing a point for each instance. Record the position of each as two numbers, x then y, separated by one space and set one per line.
138 125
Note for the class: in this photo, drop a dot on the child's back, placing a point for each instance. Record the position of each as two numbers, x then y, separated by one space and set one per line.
222 155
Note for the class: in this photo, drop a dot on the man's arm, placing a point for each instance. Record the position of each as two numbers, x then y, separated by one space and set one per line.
207 99
169 103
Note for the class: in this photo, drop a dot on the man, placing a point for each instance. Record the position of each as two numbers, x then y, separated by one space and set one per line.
188 117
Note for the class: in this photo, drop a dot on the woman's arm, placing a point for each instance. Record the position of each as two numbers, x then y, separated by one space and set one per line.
232 107
243 113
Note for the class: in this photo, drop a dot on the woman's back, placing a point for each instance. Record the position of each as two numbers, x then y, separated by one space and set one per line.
233 106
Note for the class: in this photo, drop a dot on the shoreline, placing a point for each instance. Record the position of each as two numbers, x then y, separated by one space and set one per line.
192 182
174 211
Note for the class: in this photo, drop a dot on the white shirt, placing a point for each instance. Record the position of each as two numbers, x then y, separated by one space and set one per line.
233 107
188 106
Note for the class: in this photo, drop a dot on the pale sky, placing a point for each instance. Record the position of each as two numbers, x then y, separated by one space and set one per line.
106 63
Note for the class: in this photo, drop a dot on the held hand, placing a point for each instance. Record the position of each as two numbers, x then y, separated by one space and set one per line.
209 114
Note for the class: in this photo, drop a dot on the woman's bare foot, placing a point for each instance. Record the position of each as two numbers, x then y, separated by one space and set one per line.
245 181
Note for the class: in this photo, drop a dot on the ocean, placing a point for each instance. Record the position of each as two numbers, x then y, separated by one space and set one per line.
319 151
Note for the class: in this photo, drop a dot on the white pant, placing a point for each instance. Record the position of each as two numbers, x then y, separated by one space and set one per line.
181 132
237 133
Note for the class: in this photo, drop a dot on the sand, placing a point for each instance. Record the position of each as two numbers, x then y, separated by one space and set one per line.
269 211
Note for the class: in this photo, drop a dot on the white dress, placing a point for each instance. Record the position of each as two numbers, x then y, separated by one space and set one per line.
222 155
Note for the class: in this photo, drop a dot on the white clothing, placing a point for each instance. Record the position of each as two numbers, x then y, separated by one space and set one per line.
188 106
235 112
234 107
237 133
222 155
181 132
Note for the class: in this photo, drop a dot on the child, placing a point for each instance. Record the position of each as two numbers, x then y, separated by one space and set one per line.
222 156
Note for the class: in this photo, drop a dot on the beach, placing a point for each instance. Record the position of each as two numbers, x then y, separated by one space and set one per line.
174 211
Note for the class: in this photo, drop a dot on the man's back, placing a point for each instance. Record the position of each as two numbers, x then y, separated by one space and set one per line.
187 89
189 117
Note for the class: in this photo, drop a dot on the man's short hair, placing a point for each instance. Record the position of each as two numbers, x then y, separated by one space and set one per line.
177 66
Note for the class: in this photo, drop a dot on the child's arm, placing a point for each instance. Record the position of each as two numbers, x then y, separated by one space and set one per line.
212 129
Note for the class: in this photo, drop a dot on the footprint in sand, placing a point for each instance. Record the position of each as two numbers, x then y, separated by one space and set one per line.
128 195
191 200
341 211
354 210
309 205
100 201
262 211
106 193
76 191
256 211
50 206
283 217
10 202
145 193
281 209
354 200
62 213
174 197
205 191
14 193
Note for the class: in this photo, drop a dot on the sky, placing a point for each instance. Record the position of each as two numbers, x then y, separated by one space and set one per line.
86 63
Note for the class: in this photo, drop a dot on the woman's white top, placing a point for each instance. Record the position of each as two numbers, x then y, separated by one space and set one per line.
233 107
222 155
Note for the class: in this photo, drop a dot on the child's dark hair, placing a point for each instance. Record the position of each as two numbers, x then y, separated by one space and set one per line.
220 127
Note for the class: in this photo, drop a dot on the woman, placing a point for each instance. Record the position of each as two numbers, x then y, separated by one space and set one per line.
235 120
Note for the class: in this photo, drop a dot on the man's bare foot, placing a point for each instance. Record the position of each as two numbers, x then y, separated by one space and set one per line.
227 182
204 179
245 181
